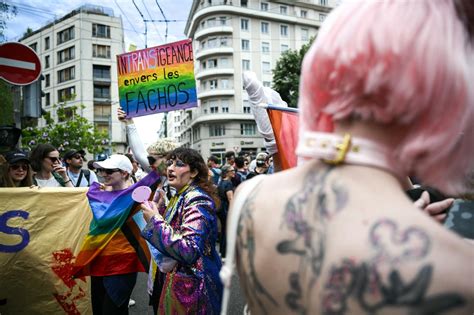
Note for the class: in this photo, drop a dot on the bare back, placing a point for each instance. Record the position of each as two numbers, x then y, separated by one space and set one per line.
346 240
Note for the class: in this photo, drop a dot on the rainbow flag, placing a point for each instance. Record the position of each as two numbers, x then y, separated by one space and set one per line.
284 122
113 244
157 79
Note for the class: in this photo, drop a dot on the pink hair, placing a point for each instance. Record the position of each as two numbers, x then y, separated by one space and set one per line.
405 63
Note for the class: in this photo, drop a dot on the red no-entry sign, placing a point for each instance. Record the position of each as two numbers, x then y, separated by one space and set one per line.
19 64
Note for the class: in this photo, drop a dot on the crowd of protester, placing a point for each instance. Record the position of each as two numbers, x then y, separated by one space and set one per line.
364 191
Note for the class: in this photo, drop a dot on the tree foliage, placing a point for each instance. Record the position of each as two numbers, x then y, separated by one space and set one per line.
72 132
286 75
7 12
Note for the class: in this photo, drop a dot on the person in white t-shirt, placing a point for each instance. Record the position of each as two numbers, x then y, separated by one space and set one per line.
47 165
74 160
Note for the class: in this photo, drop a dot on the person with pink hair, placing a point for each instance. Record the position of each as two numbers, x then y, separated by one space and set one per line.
386 92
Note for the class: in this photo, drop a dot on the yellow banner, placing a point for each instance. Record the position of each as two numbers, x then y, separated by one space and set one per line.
41 231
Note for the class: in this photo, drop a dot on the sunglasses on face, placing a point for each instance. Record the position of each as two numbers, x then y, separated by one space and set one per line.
53 159
18 166
108 171
77 157
178 163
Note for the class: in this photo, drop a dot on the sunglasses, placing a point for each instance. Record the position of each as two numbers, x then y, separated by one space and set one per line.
178 163
53 159
77 156
18 166
108 171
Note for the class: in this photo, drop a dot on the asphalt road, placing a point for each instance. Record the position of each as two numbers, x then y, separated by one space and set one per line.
140 295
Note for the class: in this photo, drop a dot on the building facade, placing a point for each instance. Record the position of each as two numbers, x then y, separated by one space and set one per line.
230 37
77 54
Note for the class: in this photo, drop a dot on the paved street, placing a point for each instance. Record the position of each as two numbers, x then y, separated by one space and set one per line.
140 295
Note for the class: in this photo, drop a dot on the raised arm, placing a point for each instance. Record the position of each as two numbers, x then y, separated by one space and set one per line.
134 141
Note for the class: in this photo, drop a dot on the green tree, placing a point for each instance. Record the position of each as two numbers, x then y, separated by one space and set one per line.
72 132
6 104
286 75
7 12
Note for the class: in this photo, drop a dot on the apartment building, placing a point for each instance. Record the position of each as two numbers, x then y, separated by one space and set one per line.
77 53
230 37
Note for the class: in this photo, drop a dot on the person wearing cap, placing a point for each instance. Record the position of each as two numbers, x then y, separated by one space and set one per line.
111 292
262 165
74 160
15 170
49 172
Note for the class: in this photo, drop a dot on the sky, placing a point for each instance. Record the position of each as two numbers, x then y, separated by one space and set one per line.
37 13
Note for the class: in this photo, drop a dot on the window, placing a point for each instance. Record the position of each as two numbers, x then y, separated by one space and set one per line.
46 62
203 65
101 72
225 83
266 83
66 35
214 109
245 45
244 24
100 51
211 43
196 134
34 46
248 129
66 94
245 64
101 91
47 80
264 27
265 48
102 111
102 127
213 84
216 130
246 107
284 30
243 3
266 68
100 30
225 106
223 41
283 10
66 74
46 43
304 34
66 55
47 99
211 22
212 63
223 62
323 2
68 113
322 17
304 14
284 48
223 20
264 6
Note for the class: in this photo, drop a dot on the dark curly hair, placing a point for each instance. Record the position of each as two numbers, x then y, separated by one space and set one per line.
196 162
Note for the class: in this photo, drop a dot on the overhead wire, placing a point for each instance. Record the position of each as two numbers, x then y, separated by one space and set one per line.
152 21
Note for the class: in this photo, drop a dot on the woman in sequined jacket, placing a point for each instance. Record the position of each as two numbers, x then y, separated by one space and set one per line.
186 231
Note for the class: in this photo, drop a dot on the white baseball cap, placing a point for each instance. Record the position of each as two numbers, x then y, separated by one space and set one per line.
115 161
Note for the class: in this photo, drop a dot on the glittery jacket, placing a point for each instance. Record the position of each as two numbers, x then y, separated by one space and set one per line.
193 286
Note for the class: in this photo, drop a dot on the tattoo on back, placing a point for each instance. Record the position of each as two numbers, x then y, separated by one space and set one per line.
364 281
306 215
257 294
